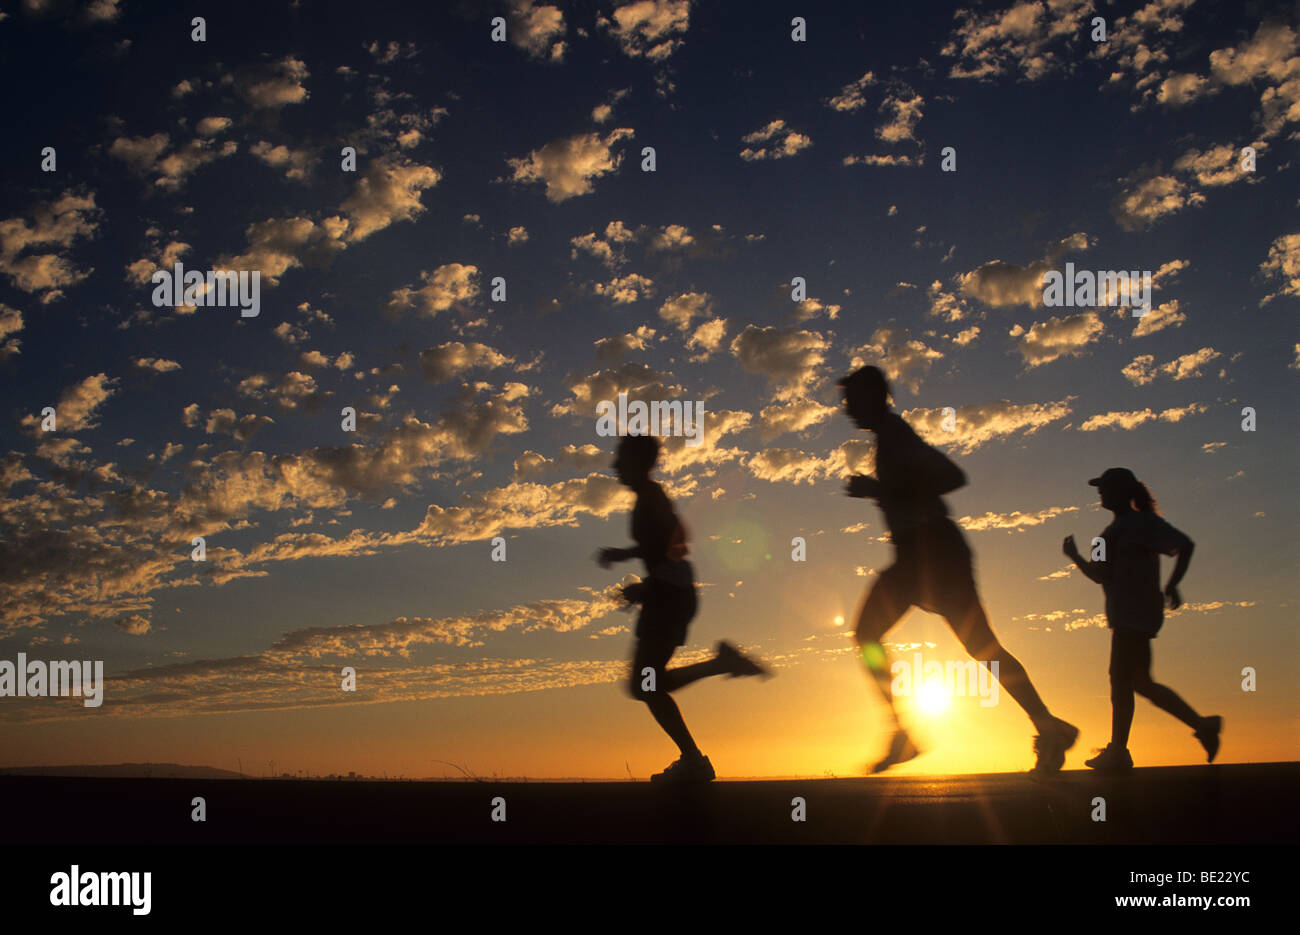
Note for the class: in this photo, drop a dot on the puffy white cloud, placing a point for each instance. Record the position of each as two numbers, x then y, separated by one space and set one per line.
140 153
683 310
812 307
1046 341
614 348
774 141
133 624
905 360
650 29
449 286
638 380
58 224
1143 369
602 112
388 191
1015 520
11 322
789 465
1162 316
947 306
966 336
1029 37
278 245
296 163
853 95
275 85
671 237
1145 199
891 159
1001 284
156 364
78 406
1214 167
789 357
165 257
241 428
448 361
680 310
148 155
1271 58
980 423
1132 419
211 126
1283 266
795 416
532 464
567 166
537 30
904 108
1180 89
624 290
295 389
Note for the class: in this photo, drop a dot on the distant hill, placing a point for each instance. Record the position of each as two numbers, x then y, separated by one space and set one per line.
126 771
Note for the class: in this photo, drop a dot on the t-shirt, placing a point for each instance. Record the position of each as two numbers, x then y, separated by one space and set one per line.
1134 543
912 474
661 537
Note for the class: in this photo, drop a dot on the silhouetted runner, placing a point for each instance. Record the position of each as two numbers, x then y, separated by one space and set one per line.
1130 577
932 569
668 604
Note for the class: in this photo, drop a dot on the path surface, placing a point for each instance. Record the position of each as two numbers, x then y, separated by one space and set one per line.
1225 804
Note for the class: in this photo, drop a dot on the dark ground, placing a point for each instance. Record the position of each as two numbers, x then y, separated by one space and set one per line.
1227 804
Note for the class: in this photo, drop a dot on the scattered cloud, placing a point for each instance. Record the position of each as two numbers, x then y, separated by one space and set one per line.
1046 341
1143 369
568 166
651 29
774 141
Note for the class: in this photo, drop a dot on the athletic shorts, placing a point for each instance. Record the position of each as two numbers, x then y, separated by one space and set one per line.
932 569
1130 653
666 613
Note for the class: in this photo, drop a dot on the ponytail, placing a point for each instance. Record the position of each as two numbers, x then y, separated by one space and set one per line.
1143 502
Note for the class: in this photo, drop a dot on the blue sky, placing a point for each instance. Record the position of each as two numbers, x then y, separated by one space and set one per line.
522 159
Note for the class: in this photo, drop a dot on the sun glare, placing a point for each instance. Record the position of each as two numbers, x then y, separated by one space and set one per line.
932 698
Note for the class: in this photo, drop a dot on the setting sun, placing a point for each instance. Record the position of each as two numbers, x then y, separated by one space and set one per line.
932 698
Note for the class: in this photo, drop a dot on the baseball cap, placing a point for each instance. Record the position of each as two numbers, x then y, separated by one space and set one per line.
1115 477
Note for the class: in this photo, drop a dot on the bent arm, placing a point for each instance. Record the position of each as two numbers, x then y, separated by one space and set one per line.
1096 571
1180 566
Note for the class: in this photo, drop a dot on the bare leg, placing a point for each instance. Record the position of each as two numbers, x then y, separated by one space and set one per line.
1125 654
1162 696
682 676
655 656
881 609
669 716
972 628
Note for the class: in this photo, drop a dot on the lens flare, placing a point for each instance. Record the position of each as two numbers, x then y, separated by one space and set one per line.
932 698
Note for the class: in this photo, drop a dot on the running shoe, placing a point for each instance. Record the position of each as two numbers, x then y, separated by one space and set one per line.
686 770
1111 759
1051 744
1208 735
901 749
736 663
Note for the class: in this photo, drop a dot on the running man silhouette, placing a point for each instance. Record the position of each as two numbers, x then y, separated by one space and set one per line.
1129 574
668 604
932 568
